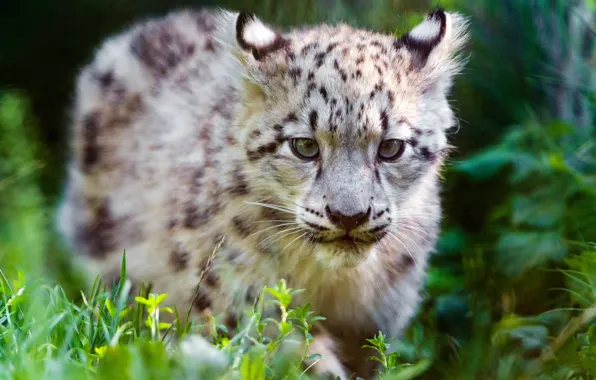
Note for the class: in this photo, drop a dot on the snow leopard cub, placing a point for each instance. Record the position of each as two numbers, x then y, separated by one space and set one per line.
313 155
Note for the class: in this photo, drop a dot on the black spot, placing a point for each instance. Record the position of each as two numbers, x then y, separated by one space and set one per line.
384 121
319 173
243 227
344 76
316 226
331 47
90 143
209 276
320 58
161 48
250 296
195 217
239 186
377 175
398 267
279 129
231 322
205 21
311 76
291 118
171 224
262 151
255 133
408 261
209 46
201 302
413 142
295 74
313 120
427 154
323 92
378 228
379 214
106 80
179 259
98 234
307 48
391 97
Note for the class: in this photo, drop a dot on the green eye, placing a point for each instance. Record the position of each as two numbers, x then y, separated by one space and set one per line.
306 149
391 150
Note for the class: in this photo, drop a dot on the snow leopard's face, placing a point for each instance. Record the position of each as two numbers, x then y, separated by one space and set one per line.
345 129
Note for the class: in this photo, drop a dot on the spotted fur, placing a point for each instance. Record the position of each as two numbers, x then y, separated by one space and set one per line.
182 136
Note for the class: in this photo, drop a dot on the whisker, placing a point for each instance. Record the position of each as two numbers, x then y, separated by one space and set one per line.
412 228
279 232
293 241
281 237
400 242
409 238
291 201
272 220
268 228
415 234
278 208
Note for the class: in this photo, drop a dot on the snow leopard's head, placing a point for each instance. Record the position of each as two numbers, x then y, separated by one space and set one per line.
345 128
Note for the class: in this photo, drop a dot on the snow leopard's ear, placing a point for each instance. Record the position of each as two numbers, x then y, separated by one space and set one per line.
250 35
257 38
433 43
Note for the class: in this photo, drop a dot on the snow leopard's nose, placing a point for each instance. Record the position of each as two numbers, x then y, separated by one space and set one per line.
347 222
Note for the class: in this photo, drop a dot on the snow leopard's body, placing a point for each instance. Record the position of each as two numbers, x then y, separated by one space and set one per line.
181 141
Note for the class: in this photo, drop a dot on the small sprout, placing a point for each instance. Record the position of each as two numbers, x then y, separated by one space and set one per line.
379 344
101 351
152 303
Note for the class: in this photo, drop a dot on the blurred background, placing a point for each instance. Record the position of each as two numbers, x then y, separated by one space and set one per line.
512 290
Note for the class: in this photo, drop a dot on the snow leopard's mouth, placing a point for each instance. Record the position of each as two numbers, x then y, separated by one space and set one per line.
347 242
348 239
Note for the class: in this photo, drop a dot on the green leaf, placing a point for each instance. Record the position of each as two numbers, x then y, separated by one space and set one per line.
376 359
520 251
412 371
485 164
286 327
142 300
160 298
252 367
110 307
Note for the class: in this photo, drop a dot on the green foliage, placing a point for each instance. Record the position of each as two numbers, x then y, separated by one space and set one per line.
44 334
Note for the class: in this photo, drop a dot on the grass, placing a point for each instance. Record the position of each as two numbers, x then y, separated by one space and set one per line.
112 334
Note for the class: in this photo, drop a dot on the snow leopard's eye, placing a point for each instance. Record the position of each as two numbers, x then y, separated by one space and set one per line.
391 150
306 149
